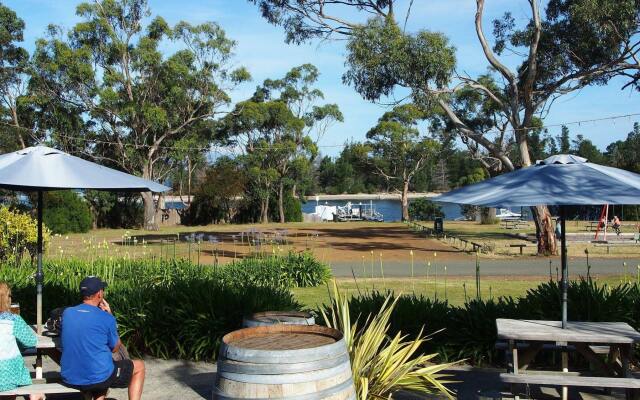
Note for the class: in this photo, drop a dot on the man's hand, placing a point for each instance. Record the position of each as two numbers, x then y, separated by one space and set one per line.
104 306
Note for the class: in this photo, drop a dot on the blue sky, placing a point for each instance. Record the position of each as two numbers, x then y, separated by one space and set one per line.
262 50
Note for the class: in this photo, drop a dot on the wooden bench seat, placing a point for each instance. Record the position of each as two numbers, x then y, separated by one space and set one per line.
598 349
559 379
46 388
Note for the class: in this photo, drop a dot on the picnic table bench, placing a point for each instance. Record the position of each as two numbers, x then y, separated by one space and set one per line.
514 223
46 388
585 338
616 244
591 225
43 382
521 246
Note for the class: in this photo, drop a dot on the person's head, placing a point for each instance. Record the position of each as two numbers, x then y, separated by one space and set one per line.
92 289
5 297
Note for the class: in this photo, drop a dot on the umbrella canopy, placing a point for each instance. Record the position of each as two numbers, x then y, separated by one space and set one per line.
42 168
560 180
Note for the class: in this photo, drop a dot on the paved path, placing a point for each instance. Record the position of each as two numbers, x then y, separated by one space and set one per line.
174 379
528 266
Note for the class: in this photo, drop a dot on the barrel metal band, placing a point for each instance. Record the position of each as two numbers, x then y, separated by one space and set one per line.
276 369
287 378
217 395
282 356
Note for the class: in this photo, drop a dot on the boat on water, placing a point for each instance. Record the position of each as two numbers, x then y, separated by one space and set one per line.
349 212
505 213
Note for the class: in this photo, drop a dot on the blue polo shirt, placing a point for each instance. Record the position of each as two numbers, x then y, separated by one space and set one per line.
89 336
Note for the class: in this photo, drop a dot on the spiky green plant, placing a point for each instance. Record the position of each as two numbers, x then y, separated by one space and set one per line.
382 365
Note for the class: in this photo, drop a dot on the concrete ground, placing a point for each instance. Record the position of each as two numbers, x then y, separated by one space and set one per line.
183 380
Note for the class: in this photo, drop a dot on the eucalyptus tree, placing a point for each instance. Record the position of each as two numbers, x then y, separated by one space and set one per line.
277 129
14 61
142 102
265 131
399 151
575 44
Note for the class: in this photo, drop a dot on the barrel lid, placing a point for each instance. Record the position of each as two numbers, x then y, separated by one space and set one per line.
275 337
276 343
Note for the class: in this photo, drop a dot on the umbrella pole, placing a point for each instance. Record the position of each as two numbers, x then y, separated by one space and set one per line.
563 262
39 274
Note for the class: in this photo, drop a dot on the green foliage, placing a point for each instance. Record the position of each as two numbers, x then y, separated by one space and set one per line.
214 195
65 211
380 56
274 127
290 270
292 209
384 361
115 210
13 64
424 210
113 65
18 234
469 331
626 153
167 309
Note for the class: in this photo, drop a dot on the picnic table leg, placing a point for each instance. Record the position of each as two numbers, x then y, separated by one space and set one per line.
625 355
593 359
38 365
513 349
565 368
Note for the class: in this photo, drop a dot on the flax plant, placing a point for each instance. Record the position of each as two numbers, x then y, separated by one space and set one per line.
382 364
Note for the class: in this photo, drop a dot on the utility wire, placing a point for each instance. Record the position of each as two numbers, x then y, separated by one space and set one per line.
214 149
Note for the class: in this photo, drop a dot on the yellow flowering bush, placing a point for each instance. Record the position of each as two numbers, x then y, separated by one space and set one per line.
18 233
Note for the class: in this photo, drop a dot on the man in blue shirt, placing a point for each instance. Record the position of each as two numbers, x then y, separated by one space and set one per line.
89 337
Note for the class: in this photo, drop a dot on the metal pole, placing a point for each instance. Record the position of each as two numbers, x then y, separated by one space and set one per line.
39 273
563 259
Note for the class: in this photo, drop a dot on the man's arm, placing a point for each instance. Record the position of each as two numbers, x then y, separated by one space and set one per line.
117 346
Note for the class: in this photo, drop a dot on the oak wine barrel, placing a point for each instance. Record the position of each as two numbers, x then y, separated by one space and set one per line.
278 317
284 362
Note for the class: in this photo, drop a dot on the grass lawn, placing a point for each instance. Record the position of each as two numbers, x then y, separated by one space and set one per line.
454 293
499 238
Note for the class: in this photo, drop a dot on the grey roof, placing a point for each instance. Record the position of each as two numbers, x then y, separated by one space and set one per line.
44 168
558 180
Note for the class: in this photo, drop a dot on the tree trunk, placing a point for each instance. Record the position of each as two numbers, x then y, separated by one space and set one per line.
488 215
189 180
150 223
264 211
541 216
405 201
281 202
544 231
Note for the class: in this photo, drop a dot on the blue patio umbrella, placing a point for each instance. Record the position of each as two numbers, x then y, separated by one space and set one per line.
43 169
561 180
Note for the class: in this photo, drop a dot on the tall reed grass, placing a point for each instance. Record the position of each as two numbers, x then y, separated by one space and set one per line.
173 308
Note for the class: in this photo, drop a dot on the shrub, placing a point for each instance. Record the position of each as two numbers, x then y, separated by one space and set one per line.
291 270
213 198
469 331
167 309
383 361
424 210
65 211
18 234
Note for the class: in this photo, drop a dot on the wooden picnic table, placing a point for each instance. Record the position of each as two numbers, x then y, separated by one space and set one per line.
579 336
48 345
514 223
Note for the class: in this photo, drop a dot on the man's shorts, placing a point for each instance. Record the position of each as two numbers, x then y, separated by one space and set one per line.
120 378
